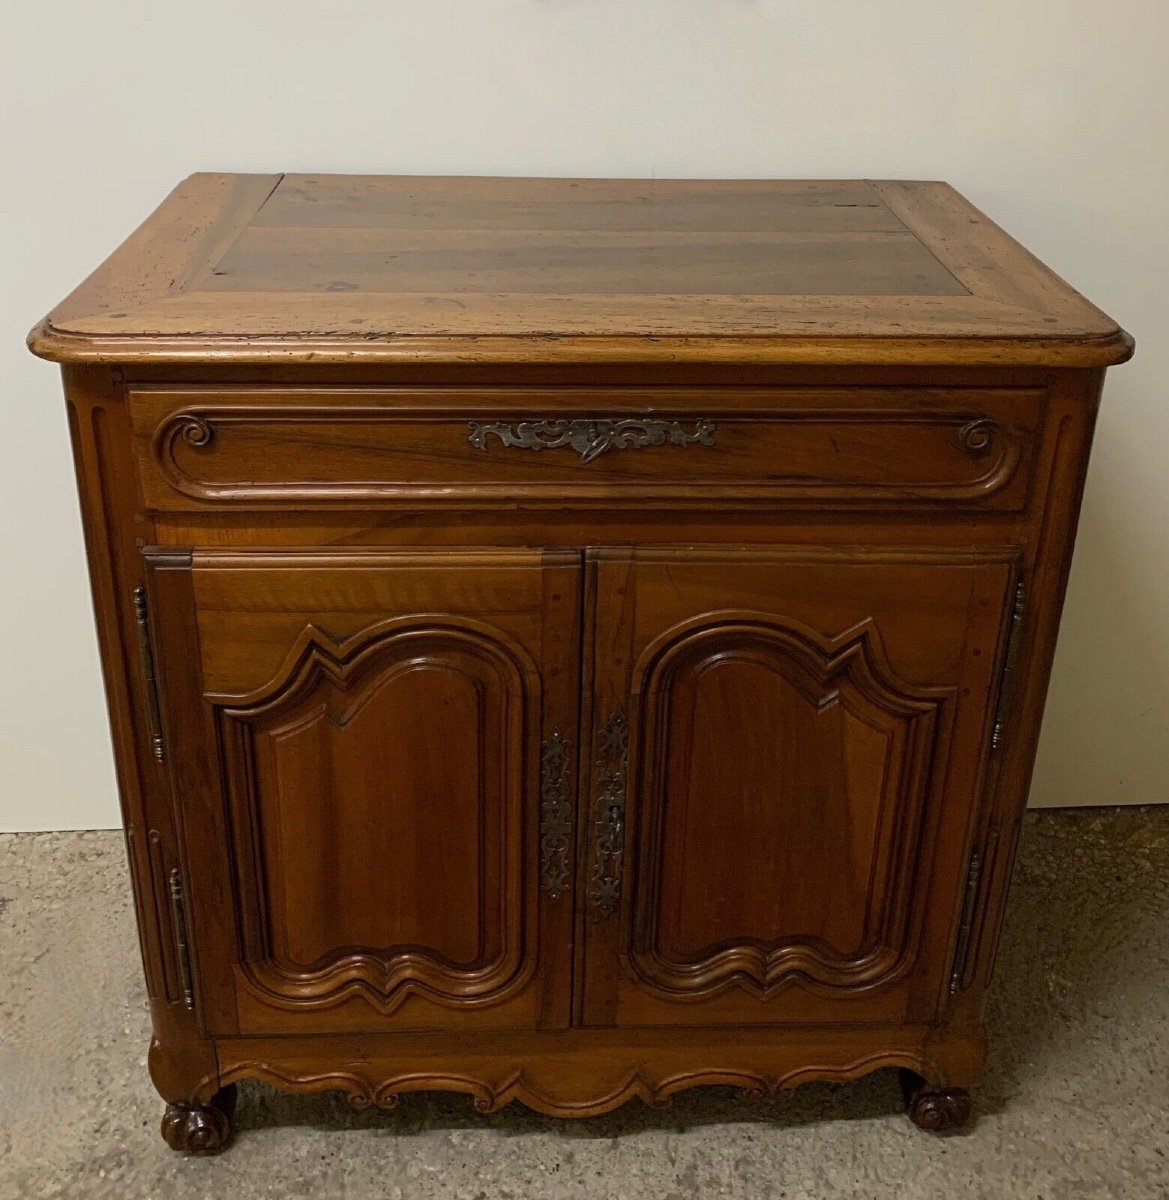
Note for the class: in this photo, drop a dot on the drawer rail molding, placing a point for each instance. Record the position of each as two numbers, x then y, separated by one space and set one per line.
591 437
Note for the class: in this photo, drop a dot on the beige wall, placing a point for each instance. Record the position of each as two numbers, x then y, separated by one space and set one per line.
1050 114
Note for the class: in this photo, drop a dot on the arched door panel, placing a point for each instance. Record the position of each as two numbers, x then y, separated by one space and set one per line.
802 731
371 786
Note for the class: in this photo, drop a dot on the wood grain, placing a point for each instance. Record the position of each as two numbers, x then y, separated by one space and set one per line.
531 683
797 718
379 719
817 448
390 269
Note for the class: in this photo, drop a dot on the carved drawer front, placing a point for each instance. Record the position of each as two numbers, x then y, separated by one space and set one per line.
894 448
374 754
785 754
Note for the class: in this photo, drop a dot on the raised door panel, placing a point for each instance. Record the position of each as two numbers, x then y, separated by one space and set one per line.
788 753
369 752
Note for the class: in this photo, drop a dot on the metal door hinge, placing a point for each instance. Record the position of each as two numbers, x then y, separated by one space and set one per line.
969 904
150 682
1010 661
182 950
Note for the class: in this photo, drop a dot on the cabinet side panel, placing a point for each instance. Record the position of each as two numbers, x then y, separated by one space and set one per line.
1074 400
181 1062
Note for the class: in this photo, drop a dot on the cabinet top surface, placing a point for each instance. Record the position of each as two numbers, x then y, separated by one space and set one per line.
346 268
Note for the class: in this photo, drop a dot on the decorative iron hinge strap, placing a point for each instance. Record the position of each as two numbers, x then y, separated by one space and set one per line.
182 951
609 815
1010 662
555 815
146 652
969 904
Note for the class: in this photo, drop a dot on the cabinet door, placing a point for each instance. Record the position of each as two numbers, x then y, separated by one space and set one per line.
786 754
372 756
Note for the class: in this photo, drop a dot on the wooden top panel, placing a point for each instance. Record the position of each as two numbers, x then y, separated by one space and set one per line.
256 268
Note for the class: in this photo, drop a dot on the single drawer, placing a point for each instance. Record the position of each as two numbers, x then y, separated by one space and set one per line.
895 448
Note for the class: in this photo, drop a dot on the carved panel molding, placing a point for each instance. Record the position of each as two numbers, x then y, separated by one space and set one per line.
324 692
348 454
539 1082
847 674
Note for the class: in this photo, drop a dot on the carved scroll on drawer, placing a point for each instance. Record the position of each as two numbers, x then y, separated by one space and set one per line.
672 447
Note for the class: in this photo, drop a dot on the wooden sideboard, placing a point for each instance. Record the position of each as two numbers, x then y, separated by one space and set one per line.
573 640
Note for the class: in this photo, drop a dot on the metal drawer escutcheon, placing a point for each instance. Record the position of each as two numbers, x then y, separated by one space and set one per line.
592 437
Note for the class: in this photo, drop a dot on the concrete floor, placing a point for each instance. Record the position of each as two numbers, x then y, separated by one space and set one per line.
1074 1104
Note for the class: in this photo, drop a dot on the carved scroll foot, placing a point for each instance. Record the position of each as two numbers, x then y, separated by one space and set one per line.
200 1129
935 1109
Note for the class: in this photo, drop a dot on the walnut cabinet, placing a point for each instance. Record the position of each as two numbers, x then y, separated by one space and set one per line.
572 640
